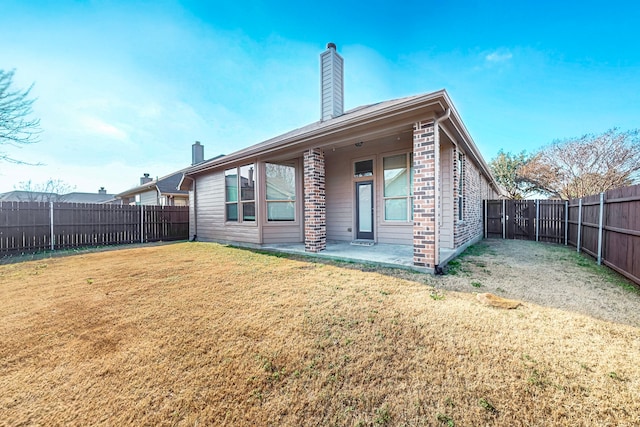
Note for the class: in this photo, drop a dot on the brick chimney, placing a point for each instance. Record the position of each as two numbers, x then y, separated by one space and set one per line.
145 178
197 153
331 83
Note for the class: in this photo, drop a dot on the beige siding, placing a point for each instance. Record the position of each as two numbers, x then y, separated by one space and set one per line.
339 196
281 233
149 198
446 196
210 208
340 192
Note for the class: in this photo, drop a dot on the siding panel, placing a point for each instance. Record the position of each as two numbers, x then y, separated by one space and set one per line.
210 210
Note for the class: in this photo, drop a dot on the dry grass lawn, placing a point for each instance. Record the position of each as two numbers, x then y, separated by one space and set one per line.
202 334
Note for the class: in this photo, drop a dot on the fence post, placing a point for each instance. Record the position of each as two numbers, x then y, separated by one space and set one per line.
52 236
566 223
600 228
537 221
579 225
141 223
485 202
504 219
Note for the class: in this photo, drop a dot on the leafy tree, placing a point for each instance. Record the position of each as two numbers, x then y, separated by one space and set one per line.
591 164
506 169
16 128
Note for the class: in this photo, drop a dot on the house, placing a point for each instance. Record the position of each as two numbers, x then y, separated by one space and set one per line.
100 197
76 197
399 172
162 191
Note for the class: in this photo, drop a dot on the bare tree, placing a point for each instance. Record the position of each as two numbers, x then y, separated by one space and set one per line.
49 191
588 165
16 128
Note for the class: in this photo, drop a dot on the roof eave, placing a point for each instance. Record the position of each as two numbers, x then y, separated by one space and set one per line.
339 124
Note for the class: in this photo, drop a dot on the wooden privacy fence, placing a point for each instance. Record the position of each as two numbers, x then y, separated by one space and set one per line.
539 220
605 226
28 227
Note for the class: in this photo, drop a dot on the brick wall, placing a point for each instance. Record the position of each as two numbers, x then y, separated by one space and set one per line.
471 224
424 213
315 218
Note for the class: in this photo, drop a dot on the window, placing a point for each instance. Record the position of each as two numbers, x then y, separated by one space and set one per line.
240 194
398 187
281 191
460 169
363 168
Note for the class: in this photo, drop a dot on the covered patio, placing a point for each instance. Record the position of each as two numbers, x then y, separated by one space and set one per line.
382 254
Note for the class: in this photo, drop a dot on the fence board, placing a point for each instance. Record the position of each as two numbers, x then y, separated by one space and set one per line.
25 227
620 225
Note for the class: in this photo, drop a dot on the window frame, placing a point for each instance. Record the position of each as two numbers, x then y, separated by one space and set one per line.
294 201
409 196
240 201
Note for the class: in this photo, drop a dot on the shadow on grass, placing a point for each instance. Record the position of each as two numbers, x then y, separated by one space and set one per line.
23 257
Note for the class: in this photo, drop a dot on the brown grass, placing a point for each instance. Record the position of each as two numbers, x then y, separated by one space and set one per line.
201 334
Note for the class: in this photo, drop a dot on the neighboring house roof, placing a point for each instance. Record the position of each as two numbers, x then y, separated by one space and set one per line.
26 196
86 198
37 196
392 115
167 185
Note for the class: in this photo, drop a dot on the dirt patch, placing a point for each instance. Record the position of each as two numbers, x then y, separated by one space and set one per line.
548 275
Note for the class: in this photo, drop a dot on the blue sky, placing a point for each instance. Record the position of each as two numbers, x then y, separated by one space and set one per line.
126 87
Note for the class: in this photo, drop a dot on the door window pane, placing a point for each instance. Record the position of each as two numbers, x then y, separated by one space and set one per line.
365 205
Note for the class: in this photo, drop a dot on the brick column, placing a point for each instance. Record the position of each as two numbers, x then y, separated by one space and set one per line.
315 217
424 206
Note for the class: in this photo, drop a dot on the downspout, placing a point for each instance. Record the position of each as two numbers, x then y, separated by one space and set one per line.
195 212
436 183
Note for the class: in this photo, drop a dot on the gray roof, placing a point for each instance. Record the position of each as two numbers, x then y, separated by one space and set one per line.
165 185
26 196
168 184
86 197
391 114
354 115
37 196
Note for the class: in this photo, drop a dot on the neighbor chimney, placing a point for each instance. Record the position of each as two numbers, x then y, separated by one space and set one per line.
102 191
145 178
197 153
331 83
